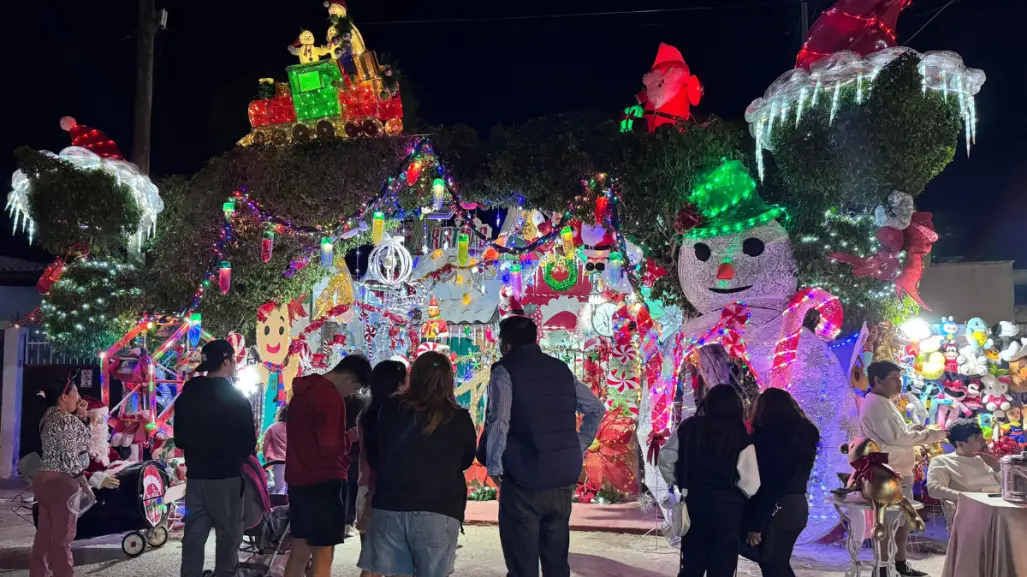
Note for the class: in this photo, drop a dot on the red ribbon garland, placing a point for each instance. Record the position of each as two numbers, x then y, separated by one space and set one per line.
656 440
916 240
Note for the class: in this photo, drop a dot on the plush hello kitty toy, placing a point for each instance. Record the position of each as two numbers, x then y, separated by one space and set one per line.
996 395
736 257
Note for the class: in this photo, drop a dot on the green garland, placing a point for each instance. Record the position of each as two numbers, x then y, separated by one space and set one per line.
560 285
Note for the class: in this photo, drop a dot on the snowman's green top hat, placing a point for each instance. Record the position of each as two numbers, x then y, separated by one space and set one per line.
724 200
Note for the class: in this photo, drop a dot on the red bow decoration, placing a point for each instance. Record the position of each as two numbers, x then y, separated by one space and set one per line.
653 272
916 240
656 440
687 218
865 466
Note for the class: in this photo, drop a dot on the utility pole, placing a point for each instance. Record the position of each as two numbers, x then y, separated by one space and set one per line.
804 12
145 31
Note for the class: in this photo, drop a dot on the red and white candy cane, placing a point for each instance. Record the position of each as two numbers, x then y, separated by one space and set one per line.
787 347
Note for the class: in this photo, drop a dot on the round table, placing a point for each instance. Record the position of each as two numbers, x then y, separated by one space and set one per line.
894 516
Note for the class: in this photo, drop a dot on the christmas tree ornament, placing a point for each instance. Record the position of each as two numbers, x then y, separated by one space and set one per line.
224 276
267 245
669 90
228 207
390 262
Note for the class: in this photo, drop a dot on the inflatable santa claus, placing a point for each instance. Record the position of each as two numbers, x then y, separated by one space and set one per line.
104 461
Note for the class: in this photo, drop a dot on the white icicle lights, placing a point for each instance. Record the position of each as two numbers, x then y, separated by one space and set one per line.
797 91
143 189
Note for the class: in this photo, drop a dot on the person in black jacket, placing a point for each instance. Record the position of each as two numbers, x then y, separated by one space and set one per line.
214 428
424 442
712 461
786 446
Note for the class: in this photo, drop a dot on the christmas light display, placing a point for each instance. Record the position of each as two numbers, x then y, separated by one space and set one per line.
225 277
669 89
741 258
195 329
463 257
567 236
228 208
377 228
92 150
267 245
515 281
327 258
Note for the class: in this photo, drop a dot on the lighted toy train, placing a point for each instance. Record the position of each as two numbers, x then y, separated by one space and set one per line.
321 100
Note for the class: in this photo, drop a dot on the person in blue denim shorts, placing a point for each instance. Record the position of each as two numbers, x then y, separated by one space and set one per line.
422 444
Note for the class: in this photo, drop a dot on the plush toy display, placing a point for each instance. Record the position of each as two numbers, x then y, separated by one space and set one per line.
996 397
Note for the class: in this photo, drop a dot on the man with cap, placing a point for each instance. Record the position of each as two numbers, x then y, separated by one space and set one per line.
214 428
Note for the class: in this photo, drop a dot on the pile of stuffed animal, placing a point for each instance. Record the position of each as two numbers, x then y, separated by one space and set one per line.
967 371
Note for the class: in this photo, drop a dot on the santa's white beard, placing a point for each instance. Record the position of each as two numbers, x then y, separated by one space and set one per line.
99 443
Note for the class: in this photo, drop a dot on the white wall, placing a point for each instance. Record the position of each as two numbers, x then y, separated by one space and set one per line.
970 289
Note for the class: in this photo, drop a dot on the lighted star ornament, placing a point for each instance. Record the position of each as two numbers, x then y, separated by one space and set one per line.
92 150
737 269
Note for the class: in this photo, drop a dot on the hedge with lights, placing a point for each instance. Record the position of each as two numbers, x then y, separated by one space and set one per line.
899 138
73 206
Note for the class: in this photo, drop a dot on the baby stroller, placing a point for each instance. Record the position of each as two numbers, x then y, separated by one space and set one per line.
266 540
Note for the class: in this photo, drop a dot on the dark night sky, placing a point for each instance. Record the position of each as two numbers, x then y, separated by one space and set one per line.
465 65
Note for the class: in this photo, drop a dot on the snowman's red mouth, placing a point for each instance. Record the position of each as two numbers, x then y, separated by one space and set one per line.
727 291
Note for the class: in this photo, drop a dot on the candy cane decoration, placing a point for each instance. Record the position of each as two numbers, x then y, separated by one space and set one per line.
830 325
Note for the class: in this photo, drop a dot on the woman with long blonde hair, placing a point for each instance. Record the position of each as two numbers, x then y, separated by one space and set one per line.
424 442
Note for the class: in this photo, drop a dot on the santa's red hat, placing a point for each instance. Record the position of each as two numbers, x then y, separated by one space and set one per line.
91 139
668 53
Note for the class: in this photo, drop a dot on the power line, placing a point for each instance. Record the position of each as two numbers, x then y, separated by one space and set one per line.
576 14
936 14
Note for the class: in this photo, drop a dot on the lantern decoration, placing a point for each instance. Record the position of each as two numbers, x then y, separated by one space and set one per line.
225 276
567 235
195 329
267 244
463 258
515 280
438 194
377 227
390 262
327 257
228 208
466 299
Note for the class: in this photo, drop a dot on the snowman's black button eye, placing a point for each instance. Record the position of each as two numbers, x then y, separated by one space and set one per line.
753 246
702 251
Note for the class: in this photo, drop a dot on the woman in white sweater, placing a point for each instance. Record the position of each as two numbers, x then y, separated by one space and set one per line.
967 470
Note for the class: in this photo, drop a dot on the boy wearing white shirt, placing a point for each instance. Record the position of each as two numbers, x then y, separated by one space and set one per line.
967 470
880 420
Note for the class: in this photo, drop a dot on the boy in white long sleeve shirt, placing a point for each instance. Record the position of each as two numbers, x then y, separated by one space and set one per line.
967 470
880 420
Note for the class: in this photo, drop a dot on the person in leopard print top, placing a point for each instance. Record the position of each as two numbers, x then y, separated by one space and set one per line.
65 456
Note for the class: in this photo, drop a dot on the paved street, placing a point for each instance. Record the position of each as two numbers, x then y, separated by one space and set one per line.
592 555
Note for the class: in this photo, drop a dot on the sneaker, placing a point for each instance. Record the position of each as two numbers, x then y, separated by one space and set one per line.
350 531
907 570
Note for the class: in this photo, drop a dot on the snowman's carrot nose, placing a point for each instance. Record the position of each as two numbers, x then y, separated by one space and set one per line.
725 271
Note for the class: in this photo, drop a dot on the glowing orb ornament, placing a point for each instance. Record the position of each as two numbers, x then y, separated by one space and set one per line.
390 262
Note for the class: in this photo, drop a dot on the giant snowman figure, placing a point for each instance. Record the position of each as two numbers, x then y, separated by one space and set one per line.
735 250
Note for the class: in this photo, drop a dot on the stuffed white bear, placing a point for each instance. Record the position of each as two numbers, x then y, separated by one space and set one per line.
996 397
972 362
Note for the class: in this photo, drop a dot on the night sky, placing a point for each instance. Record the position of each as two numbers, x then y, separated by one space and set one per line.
483 63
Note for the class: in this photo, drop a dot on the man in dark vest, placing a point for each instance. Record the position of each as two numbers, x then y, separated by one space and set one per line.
534 450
